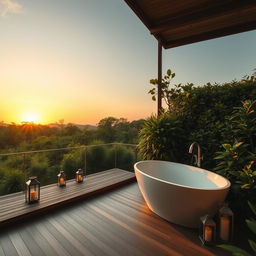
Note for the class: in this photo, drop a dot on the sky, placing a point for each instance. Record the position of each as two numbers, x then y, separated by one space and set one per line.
84 60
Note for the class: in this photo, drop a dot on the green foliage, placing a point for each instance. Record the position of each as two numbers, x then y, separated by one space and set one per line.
122 157
46 165
71 162
30 136
251 224
97 157
111 129
167 93
236 251
71 130
12 181
243 123
234 158
237 161
162 138
206 111
14 162
39 166
106 130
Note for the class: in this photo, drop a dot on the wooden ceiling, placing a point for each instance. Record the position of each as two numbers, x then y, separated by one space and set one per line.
181 22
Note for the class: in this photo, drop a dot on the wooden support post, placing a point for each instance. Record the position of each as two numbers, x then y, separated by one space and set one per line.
159 95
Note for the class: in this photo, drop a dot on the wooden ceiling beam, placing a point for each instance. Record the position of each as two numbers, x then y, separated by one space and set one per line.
210 35
196 21
183 19
133 4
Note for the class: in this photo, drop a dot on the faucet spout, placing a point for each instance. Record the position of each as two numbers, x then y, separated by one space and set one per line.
197 157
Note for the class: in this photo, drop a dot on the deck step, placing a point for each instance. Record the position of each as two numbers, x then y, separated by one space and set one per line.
14 208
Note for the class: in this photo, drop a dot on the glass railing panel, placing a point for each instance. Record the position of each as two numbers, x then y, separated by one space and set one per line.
16 168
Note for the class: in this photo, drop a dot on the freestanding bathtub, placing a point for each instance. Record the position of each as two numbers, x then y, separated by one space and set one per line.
180 193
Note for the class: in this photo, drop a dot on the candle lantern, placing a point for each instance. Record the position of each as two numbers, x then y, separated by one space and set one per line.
79 176
32 190
61 179
226 224
207 230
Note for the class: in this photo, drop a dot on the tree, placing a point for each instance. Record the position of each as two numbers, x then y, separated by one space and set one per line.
71 130
167 92
106 129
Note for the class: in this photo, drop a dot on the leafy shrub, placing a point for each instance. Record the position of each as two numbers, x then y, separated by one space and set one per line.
71 162
15 162
243 123
237 161
236 164
205 112
122 157
39 166
13 181
163 138
97 157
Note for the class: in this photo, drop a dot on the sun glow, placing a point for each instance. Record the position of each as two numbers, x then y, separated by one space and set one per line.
30 117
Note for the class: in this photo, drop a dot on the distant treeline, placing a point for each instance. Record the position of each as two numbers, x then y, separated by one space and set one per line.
29 136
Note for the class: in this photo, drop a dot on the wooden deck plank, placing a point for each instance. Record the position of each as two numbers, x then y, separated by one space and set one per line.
126 240
147 227
71 245
105 237
115 223
8 247
19 245
13 207
1 251
51 240
88 231
83 235
137 232
80 247
39 239
31 243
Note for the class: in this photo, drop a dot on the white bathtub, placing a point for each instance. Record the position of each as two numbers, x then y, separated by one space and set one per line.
180 193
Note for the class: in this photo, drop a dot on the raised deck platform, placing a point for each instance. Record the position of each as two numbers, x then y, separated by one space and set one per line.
115 223
13 206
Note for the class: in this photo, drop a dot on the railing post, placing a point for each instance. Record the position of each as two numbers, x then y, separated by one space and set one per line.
24 167
136 154
159 89
115 155
85 160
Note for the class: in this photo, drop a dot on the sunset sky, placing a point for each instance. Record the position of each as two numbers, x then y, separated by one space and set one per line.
83 60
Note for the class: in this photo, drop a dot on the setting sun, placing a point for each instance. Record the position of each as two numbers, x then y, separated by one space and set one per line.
31 117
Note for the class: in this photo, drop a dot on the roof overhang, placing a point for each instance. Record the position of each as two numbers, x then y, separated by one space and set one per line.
176 22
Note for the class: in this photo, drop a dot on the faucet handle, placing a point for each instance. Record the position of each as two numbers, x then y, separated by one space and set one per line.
194 159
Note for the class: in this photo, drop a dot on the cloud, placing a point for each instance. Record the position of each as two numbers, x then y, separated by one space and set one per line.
9 6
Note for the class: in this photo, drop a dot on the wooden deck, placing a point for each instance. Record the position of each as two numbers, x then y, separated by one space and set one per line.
110 224
14 208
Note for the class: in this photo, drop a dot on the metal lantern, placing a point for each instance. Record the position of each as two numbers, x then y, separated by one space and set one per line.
207 230
226 224
79 176
61 179
32 190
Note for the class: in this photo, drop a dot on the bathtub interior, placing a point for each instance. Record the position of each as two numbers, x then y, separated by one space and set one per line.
183 175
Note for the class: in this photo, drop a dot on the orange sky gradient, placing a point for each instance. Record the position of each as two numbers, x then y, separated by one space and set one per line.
75 61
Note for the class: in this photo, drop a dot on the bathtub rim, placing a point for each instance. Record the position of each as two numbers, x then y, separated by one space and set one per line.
179 185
